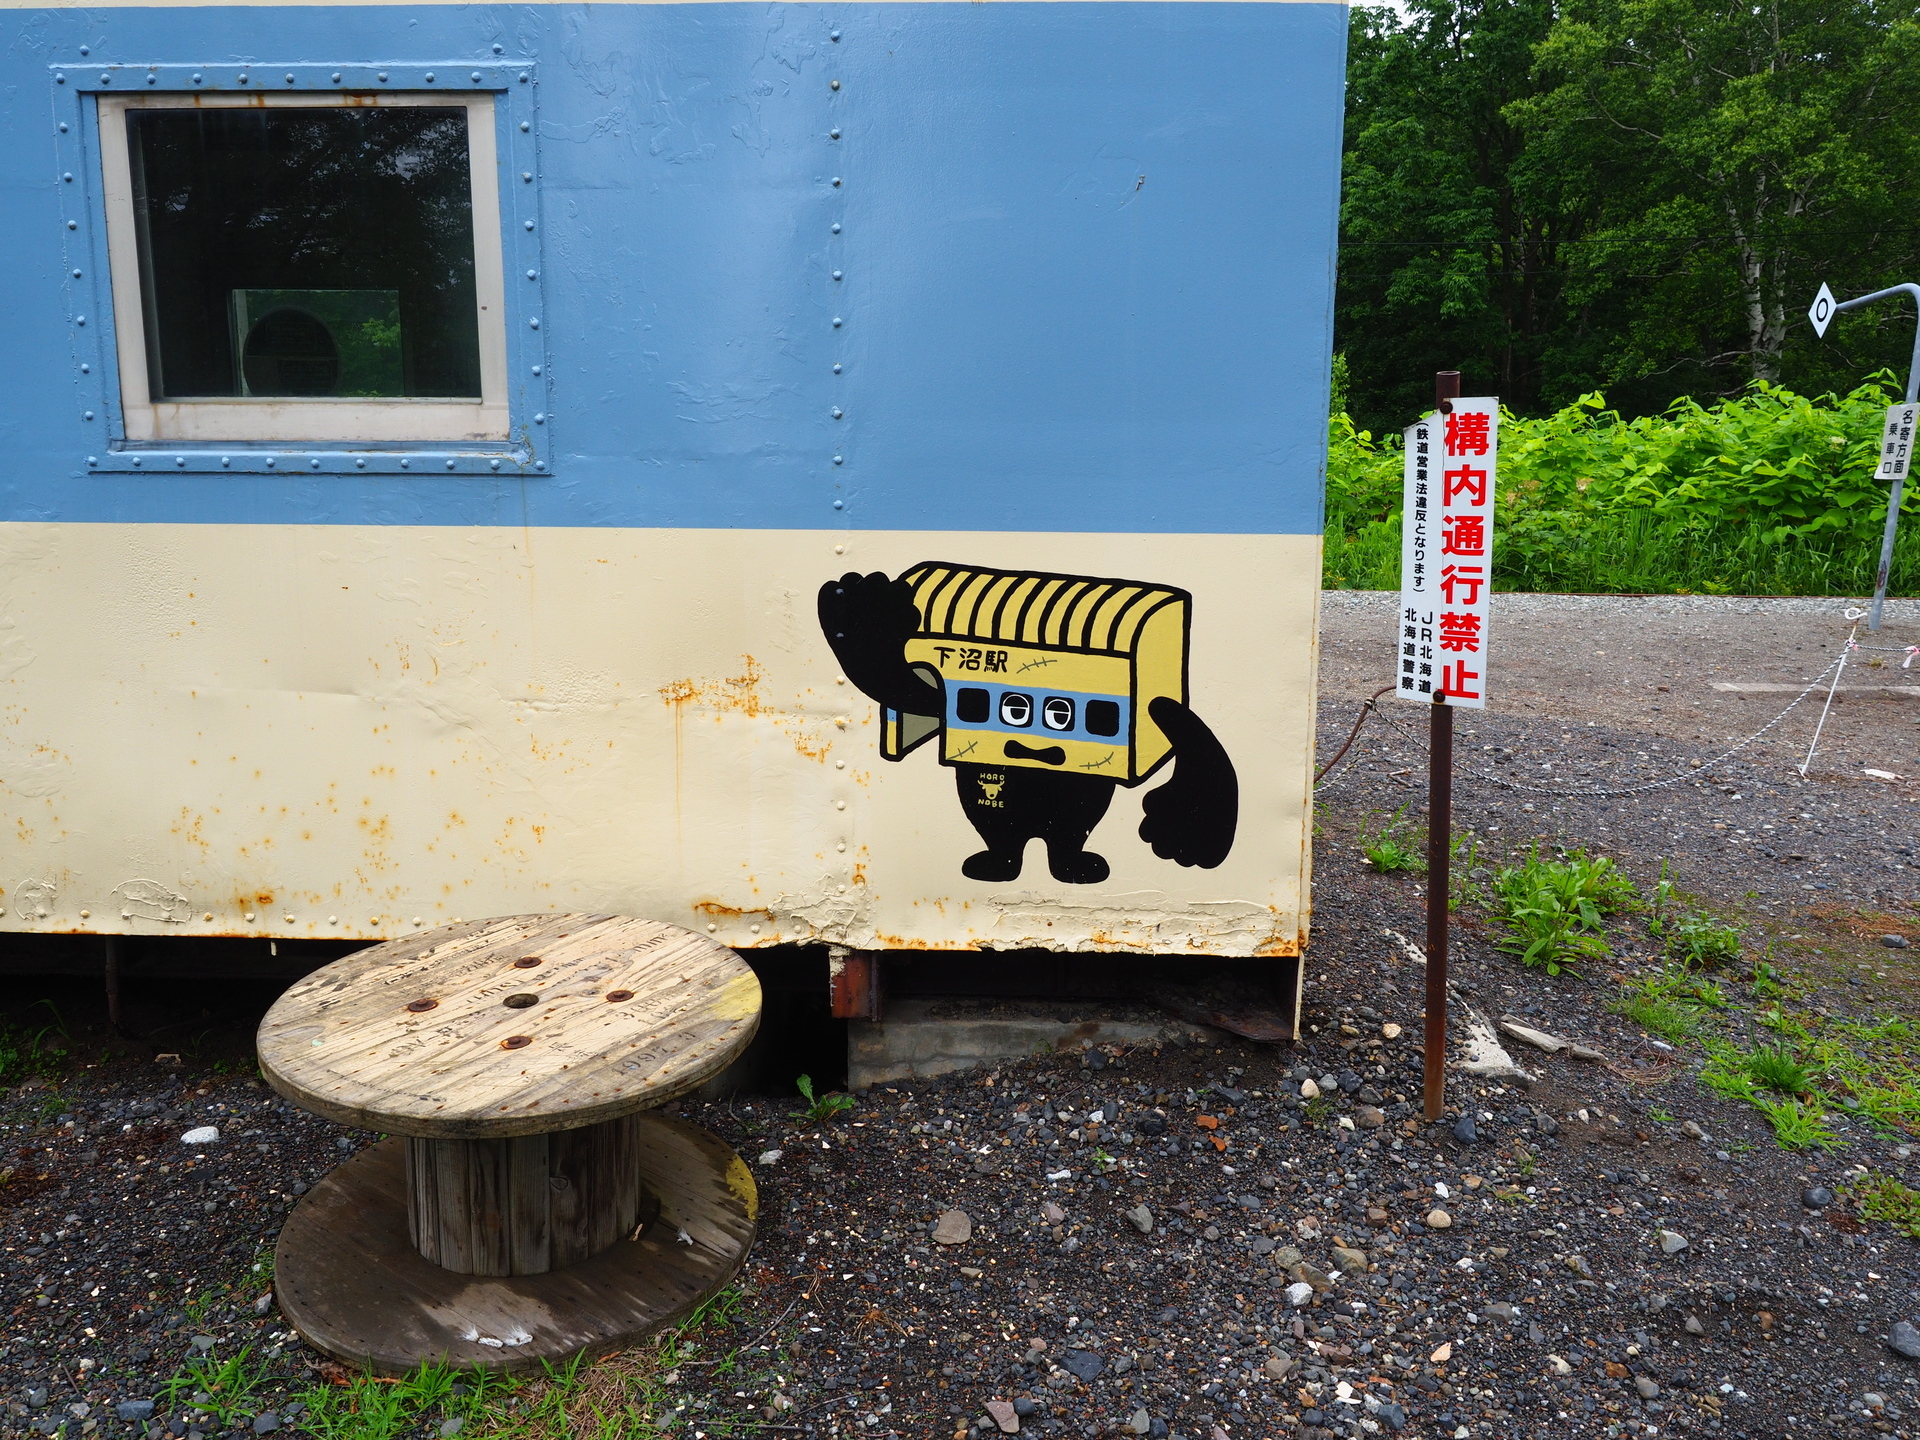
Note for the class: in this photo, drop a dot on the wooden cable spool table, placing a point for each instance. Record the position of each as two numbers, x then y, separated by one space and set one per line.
525 1206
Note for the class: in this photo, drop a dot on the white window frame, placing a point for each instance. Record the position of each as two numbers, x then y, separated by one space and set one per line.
350 420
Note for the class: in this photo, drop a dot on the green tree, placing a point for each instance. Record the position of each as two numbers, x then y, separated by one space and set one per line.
1444 261
1560 195
1732 155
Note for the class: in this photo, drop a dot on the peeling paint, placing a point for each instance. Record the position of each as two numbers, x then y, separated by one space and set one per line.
150 900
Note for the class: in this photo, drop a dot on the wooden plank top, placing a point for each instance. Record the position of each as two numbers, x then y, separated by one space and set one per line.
511 1026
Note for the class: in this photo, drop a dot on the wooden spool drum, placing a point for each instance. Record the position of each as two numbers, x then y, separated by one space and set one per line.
527 1207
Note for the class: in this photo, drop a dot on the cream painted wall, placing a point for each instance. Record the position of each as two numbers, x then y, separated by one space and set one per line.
334 730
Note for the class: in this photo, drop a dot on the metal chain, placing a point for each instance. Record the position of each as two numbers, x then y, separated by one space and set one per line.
1651 784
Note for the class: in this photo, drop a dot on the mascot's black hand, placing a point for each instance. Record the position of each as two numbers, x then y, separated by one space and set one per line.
1192 817
868 620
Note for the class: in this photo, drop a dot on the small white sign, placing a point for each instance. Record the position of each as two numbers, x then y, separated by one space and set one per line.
1821 312
1896 442
1446 556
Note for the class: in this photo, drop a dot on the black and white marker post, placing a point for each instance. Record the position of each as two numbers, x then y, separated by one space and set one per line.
1896 439
1443 639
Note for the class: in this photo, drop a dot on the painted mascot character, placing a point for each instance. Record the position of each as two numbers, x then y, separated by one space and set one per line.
1045 692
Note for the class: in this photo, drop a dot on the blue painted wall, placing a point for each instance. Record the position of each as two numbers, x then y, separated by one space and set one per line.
1087 260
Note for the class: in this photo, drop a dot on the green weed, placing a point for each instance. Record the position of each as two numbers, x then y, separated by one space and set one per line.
1464 872
1702 941
1768 983
820 1110
1658 1014
221 1389
1881 1197
1395 846
1778 1069
1553 909
1797 1124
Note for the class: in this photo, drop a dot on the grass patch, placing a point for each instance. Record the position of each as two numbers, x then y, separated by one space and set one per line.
1702 941
624 1396
1881 1197
1395 846
1553 910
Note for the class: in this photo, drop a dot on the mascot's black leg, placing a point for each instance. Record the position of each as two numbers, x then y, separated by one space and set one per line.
1075 804
1016 804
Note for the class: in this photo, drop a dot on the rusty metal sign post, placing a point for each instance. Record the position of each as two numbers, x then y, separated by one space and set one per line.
1897 441
1444 639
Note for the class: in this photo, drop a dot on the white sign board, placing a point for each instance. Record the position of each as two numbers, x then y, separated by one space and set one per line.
1896 442
1446 556
1821 311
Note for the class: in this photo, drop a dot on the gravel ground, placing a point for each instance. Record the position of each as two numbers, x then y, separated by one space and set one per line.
1114 1243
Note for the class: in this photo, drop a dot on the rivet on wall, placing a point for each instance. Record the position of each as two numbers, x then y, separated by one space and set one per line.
336 77
833 84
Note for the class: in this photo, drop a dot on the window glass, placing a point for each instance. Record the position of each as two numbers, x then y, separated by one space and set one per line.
293 252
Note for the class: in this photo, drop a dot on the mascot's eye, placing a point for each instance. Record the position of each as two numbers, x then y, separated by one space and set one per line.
971 705
1056 713
1103 717
1016 709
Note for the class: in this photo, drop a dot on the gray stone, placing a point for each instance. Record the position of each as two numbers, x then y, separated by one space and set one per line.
1464 1131
265 1423
202 1343
955 1227
1350 1261
1693 1326
1649 1389
1023 1406
37 1397
1279 1366
1904 1340
1500 1310
1438 1219
452 1426
1672 1242
201 1135
1082 1364
137 1411
1052 1213
1286 1257
1391 1415
1141 1218
1312 1275
1329 1082
263 1304
1299 1293
1140 1423
1534 1333
1692 1131
1816 1197
1003 1416
1369 1117
1895 942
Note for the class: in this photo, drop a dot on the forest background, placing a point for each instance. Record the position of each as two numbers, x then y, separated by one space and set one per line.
1613 214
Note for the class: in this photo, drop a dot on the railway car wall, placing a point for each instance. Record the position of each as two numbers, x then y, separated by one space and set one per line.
1032 295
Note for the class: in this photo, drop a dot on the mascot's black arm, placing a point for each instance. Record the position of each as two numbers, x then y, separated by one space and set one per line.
1192 817
868 621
